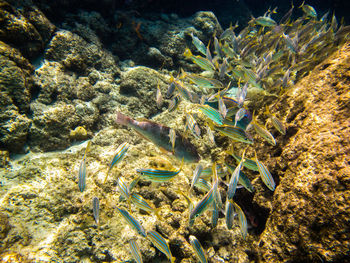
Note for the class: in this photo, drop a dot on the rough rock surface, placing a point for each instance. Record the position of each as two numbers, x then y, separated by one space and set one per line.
27 30
310 213
15 84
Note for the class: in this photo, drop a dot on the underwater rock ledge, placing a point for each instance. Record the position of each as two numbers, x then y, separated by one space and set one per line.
310 213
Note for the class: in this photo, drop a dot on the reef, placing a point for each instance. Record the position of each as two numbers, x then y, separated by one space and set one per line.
310 208
61 85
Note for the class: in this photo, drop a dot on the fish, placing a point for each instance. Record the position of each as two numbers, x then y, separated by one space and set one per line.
171 88
239 115
133 183
135 251
234 133
211 113
158 175
202 205
142 204
192 125
159 97
259 129
217 201
265 21
82 170
196 174
203 185
123 188
82 176
234 179
208 53
217 47
275 121
215 215
308 10
133 223
286 17
202 81
118 157
198 249
183 91
292 44
242 220
203 63
241 95
159 242
199 44
172 138
243 179
159 135
96 209
222 107
210 135
229 214
265 175
248 163
174 103
223 68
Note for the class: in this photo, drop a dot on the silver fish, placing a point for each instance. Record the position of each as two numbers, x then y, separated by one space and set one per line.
96 209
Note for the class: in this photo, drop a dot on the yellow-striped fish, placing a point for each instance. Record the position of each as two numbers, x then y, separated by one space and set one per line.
159 242
198 249
142 204
265 175
118 157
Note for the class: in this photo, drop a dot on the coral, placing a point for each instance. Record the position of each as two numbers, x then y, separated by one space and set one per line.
79 133
309 213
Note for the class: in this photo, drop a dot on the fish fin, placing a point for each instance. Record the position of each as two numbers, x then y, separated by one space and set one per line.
122 119
105 180
173 259
87 149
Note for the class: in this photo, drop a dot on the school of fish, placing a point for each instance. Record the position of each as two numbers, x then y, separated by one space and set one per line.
266 55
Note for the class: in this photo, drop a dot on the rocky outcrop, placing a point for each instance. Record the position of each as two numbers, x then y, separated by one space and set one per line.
15 84
309 220
27 30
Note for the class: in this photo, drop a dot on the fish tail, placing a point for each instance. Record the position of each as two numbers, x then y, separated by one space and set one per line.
156 212
105 180
122 119
187 53
173 259
182 73
267 111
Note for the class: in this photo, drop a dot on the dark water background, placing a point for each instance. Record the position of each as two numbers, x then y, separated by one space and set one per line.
225 10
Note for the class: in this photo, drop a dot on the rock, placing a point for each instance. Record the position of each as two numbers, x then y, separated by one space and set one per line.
309 217
15 85
28 31
77 55
4 159
138 87
4 227
52 125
